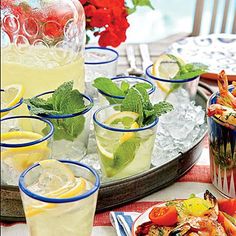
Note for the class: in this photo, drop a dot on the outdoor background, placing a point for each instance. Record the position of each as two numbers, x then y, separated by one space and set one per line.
170 17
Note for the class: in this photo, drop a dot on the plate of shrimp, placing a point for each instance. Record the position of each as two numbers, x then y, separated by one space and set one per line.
189 217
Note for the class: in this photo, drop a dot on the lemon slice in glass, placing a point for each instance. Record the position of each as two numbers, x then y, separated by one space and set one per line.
127 120
11 96
59 182
166 67
21 158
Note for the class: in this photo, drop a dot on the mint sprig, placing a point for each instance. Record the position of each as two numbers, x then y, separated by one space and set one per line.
137 100
186 71
109 87
65 100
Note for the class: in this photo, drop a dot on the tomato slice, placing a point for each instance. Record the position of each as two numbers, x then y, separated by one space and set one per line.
229 227
165 216
228 206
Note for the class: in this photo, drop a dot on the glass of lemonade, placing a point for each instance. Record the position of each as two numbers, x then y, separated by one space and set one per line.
71 131
59 198
124 149
42 44
99 62
24 141
174 91
106 99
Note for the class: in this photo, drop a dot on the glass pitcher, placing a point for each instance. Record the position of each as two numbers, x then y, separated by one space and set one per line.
42 44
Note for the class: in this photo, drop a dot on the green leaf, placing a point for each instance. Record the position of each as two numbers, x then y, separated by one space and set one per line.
72 102
131 10
39 106
142 3
143 85
125 153
74 126
134 101
162 108
106 85
60 93
124 87
63 101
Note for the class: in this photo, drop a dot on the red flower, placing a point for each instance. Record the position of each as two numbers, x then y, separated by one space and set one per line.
102 3
100 18
89 10
109 38
83 2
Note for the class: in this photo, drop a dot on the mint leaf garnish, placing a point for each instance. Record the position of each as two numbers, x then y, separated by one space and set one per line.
63 101
106 85
186 71
59 94
124 87
134 101
123 155
162 108
137 100
143 85
72 102
190 70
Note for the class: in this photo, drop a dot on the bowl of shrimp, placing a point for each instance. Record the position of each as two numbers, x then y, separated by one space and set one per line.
221 111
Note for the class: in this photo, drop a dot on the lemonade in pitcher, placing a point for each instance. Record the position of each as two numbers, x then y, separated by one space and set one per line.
42 44
37 74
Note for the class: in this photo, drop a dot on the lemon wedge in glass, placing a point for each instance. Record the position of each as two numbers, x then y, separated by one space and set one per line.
59 182
11 95
21 158
166 67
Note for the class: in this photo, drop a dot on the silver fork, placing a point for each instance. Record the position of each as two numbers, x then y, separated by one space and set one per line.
133 69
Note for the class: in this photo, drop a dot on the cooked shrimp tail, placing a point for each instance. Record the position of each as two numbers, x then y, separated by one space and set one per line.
226 98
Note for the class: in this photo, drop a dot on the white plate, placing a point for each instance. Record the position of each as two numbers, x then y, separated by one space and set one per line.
144 217
218 51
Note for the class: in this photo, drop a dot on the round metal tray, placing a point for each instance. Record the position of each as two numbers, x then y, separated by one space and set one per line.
119 192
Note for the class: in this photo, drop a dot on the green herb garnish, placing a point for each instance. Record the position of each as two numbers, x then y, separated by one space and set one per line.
186 71
137 100
65 100
109 87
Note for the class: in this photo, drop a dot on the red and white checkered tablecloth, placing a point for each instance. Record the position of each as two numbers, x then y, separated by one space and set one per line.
197 180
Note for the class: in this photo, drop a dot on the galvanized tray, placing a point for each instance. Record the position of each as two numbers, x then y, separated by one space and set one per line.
116 193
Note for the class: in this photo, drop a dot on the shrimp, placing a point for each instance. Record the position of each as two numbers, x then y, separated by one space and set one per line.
223 113
206 225
226 98
234 90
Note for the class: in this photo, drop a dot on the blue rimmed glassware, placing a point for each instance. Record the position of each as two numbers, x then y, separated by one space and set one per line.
23 146
122 151
106 98
12 110
71 131
222 142
99 62
50 214
174 91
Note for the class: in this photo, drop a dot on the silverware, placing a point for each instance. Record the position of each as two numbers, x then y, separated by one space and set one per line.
133 69
146 60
